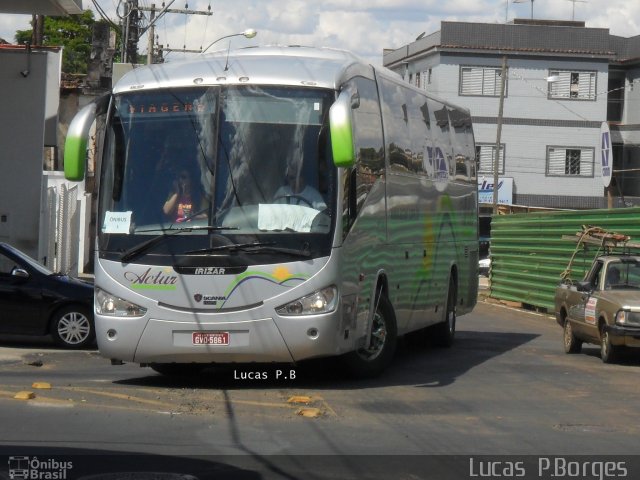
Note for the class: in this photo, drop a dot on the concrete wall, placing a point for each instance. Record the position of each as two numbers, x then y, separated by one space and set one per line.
24 109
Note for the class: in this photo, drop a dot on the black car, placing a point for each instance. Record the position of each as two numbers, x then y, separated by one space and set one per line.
36 301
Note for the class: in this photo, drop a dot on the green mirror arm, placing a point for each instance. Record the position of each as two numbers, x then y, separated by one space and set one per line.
75 145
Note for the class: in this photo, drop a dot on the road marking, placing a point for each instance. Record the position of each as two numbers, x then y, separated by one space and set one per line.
120 396
204 401
24 395
309 412
41 385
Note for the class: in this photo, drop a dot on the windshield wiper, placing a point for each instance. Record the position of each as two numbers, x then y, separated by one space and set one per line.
133 252
255 247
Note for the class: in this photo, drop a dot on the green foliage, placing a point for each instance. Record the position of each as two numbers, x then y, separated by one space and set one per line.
73 33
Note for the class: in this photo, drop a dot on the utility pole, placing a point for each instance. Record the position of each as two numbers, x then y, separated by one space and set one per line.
496 165
131 32
134 32
37 30
151 35
151 57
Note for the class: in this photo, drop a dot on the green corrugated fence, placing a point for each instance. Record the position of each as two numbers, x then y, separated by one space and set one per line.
528 253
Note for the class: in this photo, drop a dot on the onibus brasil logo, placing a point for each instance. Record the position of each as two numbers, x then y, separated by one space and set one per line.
22 467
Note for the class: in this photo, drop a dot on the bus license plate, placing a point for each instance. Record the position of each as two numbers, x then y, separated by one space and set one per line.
210 338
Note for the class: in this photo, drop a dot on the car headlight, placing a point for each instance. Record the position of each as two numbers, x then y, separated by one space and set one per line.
321 301
629 319
621 317
112 306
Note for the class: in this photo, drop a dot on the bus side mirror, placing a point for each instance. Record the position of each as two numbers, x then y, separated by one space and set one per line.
341 131
75 145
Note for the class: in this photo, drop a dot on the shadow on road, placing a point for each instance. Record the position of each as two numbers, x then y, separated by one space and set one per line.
423 366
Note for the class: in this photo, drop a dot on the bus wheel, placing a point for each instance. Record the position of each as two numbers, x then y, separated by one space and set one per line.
445 332
369 361
178 369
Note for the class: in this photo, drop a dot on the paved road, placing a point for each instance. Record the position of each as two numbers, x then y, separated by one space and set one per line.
506 387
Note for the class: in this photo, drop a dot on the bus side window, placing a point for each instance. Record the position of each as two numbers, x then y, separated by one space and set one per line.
369 148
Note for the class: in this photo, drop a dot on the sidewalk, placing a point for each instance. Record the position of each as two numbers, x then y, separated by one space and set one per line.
15 348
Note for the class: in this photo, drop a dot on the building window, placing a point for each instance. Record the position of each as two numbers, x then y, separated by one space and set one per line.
572 85
486 157
570 161
480 81
418 79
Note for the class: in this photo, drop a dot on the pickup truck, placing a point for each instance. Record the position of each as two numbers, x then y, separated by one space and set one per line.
602 309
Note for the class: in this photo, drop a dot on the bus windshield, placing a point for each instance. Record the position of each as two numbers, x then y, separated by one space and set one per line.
250 163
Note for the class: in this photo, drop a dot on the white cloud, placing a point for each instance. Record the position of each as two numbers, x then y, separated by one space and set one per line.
365 27
9 24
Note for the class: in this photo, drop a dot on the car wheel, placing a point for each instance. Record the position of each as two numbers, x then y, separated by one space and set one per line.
446 331
369 361
72 327
608 352
571 342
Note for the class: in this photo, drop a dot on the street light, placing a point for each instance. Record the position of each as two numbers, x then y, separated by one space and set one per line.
248 33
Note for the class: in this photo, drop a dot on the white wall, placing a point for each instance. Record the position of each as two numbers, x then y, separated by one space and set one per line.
526 100
23 111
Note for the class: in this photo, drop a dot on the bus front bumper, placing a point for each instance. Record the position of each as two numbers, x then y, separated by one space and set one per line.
281 340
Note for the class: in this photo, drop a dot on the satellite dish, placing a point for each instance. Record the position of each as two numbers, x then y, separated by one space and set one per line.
606 154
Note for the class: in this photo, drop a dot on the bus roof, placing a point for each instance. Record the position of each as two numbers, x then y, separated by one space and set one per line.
294 65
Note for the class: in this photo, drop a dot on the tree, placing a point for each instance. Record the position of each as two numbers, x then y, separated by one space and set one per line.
73 33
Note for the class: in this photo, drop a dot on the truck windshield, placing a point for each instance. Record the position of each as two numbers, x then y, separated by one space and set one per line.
622 275
252 160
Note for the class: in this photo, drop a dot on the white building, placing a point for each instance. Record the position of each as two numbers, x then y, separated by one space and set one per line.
30 91
563 80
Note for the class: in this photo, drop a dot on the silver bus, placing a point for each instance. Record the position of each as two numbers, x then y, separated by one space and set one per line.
275 204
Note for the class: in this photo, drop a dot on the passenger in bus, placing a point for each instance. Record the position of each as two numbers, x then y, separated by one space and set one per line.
295 191
185 201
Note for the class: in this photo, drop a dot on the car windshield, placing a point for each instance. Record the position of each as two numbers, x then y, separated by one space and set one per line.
622 275
250 161
26 259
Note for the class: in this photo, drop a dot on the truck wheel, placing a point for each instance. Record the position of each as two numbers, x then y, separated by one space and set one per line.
608 352
371 360
571 342
445 332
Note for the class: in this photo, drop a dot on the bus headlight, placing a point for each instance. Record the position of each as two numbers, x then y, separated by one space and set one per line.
321 301
112 306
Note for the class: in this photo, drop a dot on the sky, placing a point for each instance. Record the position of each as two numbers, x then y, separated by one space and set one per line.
365 27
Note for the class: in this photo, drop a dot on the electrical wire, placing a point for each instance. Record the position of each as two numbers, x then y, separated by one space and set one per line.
104 16
206 26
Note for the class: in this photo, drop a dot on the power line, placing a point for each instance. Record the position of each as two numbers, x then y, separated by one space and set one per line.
152 56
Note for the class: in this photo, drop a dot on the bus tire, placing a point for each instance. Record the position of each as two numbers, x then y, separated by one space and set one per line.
371 361
445 332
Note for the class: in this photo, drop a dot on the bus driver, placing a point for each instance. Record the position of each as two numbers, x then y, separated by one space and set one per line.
297 192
